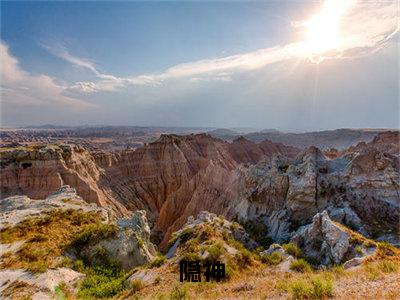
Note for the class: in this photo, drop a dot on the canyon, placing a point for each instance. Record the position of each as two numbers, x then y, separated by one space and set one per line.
275 186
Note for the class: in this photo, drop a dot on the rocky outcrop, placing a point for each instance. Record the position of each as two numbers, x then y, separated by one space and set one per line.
18 208
37 171
359 189
179 176
248 152
220 225
130 245
323 240
171 178
19 284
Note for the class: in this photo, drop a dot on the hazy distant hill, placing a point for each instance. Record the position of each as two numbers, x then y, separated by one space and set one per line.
339 138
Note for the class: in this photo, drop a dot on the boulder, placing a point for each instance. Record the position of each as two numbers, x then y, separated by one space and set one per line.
272 249
323 240
130 245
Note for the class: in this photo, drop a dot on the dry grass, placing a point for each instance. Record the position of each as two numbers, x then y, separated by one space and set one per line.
269 282
46 237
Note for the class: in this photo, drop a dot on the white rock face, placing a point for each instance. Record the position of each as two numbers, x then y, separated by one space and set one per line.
272 249
323 240
44 283
18 208
131 244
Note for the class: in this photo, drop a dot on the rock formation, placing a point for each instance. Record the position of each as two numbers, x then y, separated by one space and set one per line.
178 176
130 245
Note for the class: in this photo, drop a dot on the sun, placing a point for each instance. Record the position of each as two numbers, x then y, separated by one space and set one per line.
323 29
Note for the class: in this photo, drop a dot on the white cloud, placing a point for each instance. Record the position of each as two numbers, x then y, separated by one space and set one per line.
362 28
18 87
63 53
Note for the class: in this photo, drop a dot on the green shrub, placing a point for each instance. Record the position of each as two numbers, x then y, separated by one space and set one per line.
338 270
93 233
300 289
38 237
273 259
388 266
179 293
186 234
215 251
358 249
292 249
322 287
62 292
318 287
190 256
137 285
386 249
172 240
100 286
300 265
158 261
230 272
245 258
139 242
375 270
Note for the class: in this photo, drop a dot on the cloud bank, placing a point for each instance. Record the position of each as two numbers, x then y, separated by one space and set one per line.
18 87
363 28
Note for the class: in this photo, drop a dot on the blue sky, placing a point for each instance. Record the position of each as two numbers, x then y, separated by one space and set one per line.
286 65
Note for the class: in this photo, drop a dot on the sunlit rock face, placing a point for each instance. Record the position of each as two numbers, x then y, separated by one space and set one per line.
179 176
359 188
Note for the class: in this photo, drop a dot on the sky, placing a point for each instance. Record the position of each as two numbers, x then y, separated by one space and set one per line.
288 65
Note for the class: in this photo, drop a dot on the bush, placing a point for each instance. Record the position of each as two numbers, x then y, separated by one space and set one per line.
139 242
137 285
300 265
322 287
375 270
245 258
38 237
338 270
158 261
100 286
386 249
179 293
102 281
317 287
292 249
94 232
358 250
388 266
47 237
215 251
300 289
186 235
273 259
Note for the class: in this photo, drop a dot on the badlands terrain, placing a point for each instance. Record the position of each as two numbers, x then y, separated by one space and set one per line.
109 213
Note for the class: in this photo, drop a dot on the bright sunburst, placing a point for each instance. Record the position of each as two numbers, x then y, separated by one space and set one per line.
323 29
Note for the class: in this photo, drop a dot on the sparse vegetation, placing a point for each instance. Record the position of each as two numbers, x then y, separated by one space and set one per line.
215 251
257 231
139 242
292 249
374 270
62 292
273 259
46 238
136 285
179 293
158 261
314 287
103 280
300 265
